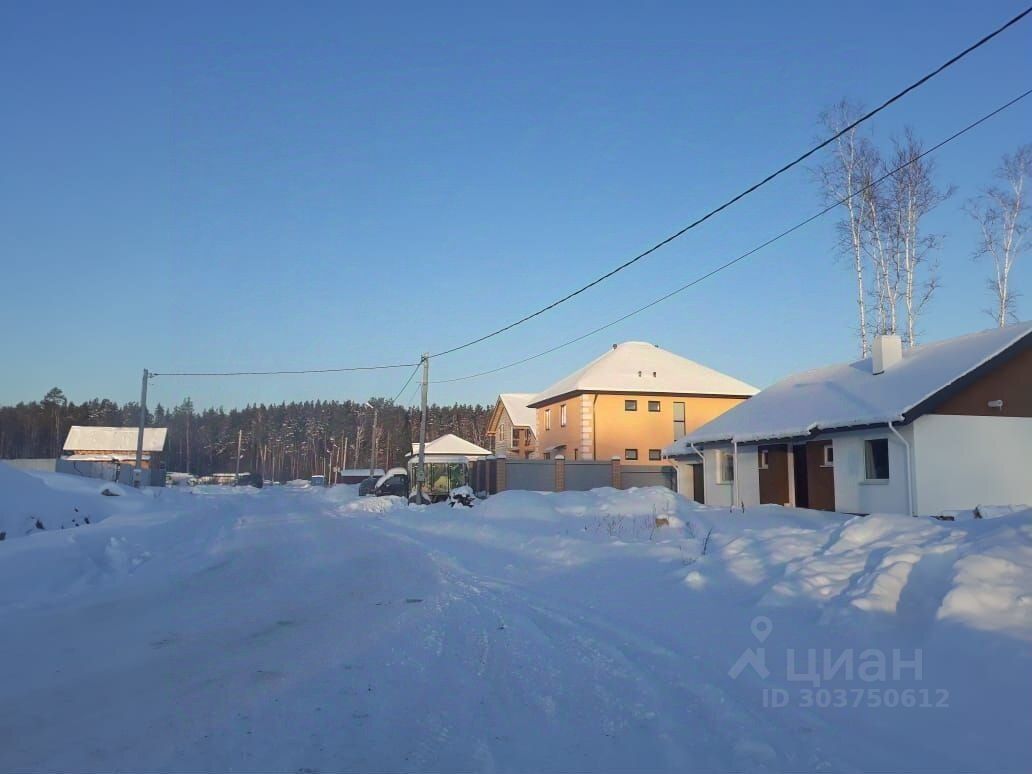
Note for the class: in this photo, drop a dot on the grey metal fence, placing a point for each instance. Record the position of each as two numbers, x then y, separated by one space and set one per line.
532 475
108 472
47 464
647 475
577 475
582 475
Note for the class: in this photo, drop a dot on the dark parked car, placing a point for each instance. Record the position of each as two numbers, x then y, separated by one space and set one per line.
394 482
367 485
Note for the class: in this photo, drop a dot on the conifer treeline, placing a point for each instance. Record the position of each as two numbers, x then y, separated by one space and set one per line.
284 441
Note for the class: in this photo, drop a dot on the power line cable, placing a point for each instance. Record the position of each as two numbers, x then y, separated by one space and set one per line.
279 373
895 98
745 255
899 95
412 395
406 384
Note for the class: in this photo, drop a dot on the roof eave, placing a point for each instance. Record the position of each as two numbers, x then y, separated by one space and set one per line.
540 403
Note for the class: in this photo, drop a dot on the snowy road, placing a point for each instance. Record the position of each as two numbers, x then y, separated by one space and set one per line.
301 631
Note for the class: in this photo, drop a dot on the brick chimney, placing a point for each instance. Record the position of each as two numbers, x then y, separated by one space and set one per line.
886 352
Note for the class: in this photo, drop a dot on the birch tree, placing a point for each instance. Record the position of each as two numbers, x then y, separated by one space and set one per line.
880 248
1002 214
913 195
841 178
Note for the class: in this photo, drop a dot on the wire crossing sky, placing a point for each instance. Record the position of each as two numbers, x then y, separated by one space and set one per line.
697 222
728 264
754 187
350 187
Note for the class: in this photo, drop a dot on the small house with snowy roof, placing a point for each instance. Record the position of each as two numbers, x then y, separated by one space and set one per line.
939 427
110 452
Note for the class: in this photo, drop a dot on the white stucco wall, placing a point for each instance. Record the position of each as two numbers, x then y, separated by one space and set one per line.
685 480
748 479
964 461
716 494
853 493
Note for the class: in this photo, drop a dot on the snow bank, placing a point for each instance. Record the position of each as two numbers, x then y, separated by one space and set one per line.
311 629
33 502
991 584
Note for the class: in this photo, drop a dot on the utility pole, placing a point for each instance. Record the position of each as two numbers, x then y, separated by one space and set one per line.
344 455
240 441
421 467
138 469
372 444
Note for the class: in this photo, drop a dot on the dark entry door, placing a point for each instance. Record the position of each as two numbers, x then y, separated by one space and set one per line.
698 484
802 488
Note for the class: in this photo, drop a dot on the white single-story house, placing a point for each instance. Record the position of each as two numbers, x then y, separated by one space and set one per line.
934 428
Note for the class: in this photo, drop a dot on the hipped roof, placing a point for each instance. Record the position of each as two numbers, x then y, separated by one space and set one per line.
640 367
452 444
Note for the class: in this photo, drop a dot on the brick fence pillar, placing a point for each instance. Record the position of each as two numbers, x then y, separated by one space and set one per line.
560 473
501 484
615 471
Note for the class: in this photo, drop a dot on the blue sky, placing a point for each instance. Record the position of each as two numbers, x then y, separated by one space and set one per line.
255 186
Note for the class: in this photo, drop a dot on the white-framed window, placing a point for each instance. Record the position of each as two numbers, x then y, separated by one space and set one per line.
548 419
764 459
829 456
725 467
630 454
562 415
515 438
876 459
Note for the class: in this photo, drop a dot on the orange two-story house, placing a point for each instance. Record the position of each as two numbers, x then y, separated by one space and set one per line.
630 403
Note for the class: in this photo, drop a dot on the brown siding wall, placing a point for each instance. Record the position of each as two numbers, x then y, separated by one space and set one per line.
820 479
1010 382
774 479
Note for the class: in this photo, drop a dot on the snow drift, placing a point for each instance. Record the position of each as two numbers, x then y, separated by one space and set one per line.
310 629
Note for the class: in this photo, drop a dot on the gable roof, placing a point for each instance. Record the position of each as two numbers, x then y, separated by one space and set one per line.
640 367
82 438
452 444
522 415
850 395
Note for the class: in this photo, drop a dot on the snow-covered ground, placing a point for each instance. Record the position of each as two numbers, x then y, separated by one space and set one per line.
305 629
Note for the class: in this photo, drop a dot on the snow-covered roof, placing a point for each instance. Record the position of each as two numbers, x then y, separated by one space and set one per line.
104 457
452 444
114 439
850 395
637 366
359 472
519 412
